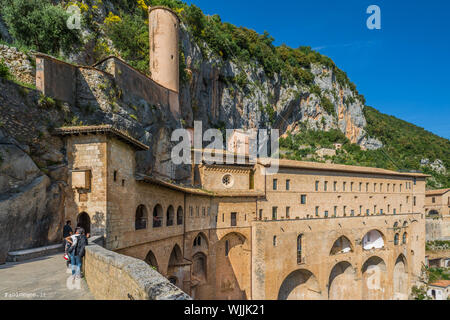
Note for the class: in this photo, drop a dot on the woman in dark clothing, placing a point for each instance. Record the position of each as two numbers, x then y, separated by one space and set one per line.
77 251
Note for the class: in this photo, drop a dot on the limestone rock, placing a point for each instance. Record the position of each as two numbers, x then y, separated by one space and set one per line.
30 217
16 168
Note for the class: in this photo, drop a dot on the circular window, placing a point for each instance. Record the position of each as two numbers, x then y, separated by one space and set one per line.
227 180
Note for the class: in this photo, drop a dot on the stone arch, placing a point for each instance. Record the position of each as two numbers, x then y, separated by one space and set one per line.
300 285
84 221
170 216
396 239
157 216
151 260
233 263
341 245
342 282
200 243
175 266
400 278
374 276
140 220
199 267
179 216
374 239
433 213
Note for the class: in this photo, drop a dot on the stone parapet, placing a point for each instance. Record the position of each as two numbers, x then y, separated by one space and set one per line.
112 276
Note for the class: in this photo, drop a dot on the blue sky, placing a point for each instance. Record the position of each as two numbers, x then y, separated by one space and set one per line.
402 69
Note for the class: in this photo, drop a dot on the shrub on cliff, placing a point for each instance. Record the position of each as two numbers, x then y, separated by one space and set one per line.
40 25
4 71
130 37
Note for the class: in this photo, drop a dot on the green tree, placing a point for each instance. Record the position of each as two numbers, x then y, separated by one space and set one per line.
130 37
40 25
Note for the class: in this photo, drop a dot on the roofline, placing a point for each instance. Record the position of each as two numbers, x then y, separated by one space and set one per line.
173 186
196 191
103 129
437 192
340 168
295 164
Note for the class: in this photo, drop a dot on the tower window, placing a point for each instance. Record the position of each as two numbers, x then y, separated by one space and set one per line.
299 249
227 248
233 219
303 199
288 185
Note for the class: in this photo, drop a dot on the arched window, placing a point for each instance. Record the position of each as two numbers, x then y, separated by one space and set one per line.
396 225
405 224
274 241
170 216
157 216
396 239
299 249
405 238
180 216
141 218
198 241
373 240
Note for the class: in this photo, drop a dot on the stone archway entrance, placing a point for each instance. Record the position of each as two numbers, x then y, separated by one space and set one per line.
84 221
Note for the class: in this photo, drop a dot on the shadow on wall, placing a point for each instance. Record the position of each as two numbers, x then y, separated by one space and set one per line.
232 267
300 285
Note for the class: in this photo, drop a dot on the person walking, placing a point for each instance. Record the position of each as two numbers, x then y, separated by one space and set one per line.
77 251
67 232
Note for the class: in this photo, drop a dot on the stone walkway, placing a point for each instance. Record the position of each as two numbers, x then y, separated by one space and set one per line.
42 278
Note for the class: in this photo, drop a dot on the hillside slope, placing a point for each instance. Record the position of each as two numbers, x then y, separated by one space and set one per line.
233 77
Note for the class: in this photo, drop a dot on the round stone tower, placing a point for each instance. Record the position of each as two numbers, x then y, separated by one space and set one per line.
164 26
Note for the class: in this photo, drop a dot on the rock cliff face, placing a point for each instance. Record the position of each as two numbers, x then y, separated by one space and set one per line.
214 97
222 94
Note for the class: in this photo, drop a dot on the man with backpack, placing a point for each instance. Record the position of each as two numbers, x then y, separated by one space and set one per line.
76 251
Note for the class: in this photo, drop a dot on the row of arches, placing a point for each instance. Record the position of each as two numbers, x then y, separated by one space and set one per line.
176 262
373 239
232 262
141 217
343 285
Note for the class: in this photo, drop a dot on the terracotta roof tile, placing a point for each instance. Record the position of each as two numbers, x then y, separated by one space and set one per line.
102 129
436 192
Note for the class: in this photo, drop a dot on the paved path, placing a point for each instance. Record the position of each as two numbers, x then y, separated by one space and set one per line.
42 278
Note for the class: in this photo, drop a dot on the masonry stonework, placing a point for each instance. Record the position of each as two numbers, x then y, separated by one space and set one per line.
311 231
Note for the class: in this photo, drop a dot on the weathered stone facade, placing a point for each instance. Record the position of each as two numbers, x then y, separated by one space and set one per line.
437 209
261 237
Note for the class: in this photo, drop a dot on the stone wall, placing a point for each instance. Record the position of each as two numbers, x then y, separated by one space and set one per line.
19 64
112 276
438 229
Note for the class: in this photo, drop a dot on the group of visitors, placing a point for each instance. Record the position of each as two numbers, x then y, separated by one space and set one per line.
74 247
